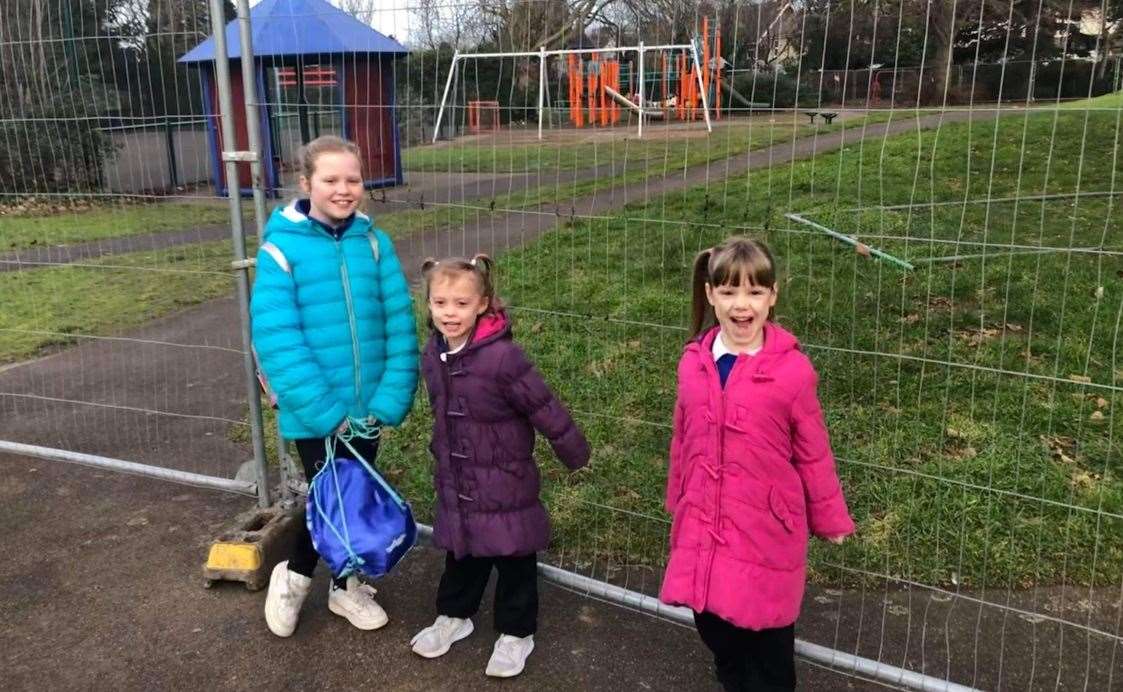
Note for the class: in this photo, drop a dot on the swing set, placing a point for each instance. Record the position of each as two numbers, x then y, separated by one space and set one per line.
595 81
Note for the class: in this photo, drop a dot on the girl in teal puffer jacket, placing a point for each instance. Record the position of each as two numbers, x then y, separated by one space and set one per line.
335 337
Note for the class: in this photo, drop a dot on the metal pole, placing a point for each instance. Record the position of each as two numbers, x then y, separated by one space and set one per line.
301 103
701 86
639 99
574 51
861 247
230 157
541 87
196 479
448 84
284 466
253 115
169 142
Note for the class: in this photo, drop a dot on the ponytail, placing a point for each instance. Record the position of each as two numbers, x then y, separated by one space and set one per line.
485 271
702 313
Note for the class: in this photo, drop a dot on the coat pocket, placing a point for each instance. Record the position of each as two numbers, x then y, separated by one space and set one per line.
780 510
771 535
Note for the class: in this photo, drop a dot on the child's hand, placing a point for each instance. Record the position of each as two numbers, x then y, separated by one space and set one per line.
837 540
342 427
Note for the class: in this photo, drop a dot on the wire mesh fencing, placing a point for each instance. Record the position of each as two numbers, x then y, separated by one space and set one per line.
938 182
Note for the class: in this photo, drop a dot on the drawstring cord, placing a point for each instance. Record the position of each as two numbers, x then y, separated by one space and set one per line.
365 429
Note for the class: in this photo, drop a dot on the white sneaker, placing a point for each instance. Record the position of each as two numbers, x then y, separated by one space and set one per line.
436 639
357 604
509 657
286 594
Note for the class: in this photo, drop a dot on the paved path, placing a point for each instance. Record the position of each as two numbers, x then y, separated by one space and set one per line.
453 188
101 588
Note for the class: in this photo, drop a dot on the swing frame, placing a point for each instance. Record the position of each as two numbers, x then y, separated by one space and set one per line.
542 54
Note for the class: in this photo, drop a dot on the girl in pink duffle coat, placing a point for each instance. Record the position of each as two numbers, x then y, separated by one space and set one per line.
752 474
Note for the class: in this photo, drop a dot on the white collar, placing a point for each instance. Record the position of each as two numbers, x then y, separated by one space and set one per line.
719 348
458 349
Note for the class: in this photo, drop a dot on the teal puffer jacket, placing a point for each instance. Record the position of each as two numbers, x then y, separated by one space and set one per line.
333 325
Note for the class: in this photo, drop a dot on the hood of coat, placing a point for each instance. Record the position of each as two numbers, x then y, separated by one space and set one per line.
489 328
777 341
293 218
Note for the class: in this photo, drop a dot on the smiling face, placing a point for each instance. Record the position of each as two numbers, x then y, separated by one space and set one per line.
455 303
335 187
741 311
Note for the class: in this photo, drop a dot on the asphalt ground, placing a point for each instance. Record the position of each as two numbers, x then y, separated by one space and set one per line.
101 588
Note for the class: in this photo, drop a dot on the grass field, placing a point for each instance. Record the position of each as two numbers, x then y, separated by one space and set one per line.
572 150
972 402
47 307
110 221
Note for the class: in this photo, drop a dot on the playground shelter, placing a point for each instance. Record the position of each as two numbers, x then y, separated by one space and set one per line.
300 46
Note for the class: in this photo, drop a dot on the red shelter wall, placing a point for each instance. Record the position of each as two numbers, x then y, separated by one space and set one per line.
238 96
369 95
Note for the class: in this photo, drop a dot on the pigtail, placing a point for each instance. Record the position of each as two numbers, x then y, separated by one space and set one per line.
483 264
702 313
485 270
427 268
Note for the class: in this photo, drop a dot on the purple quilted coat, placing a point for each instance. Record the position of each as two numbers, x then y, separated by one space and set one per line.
488 400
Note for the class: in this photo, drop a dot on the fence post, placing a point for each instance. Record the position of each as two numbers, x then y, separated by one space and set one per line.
253 115
173 163
233 193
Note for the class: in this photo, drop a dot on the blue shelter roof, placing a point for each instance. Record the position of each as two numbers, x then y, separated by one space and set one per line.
299 27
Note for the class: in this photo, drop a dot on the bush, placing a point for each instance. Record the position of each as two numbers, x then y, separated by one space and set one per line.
50 150
777 88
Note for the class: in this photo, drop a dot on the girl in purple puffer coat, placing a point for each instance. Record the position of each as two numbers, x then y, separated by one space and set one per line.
487 401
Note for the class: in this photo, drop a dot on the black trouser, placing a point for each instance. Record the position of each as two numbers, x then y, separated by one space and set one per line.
304 557
516 592
747 659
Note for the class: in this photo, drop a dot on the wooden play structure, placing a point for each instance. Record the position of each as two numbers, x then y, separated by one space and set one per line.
483 116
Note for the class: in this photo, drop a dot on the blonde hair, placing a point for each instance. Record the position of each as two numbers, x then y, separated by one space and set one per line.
327 144
480 267
727 264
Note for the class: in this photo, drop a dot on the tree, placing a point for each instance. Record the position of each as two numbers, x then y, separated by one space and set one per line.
169 29
58 68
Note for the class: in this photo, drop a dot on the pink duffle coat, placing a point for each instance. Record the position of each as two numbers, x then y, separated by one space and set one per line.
751 475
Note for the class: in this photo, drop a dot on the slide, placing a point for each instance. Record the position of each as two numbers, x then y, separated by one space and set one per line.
740 98
618 98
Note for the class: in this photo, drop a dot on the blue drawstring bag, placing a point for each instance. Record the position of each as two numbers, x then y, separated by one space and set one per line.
358 521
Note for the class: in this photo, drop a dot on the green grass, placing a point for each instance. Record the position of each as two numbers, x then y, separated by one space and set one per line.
635 159
970 449
19 232
657 151
972 404
1107 101
53 307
